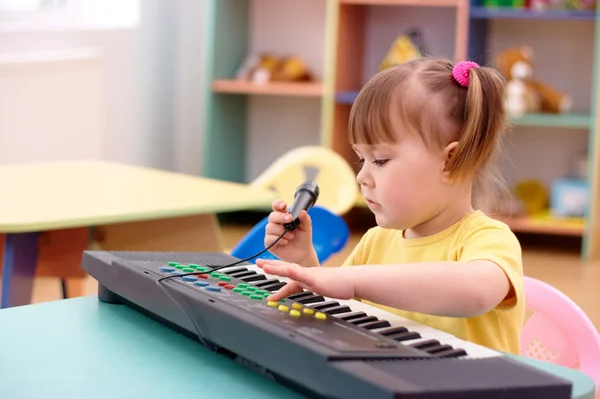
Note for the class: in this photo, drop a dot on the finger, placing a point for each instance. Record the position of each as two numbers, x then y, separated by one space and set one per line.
274 262
289 289
279 217
279 205
277 230
305 221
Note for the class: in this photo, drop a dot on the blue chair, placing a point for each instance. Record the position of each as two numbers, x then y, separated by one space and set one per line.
330 235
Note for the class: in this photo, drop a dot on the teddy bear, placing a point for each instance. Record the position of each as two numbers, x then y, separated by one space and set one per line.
525 94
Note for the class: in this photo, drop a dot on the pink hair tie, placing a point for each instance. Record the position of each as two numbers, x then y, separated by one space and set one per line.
460 73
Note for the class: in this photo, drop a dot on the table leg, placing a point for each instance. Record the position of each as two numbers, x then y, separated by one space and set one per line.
18 268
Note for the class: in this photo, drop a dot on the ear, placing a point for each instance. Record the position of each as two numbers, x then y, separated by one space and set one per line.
448 153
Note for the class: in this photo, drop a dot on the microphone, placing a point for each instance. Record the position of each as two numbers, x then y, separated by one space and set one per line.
306 196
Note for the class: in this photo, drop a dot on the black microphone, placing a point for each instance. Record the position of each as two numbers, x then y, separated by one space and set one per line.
306 196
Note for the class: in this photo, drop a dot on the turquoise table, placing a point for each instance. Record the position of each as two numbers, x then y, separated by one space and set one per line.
83 348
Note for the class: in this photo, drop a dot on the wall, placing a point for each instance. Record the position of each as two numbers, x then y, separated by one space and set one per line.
150 89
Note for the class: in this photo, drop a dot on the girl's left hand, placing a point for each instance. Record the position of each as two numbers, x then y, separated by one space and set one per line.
334 282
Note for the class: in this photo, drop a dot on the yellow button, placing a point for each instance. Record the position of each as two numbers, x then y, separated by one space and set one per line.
320 316
294 313
272 304
308 310
296 306
283 308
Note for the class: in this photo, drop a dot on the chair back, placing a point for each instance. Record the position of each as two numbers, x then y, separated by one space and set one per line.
332 173
559 331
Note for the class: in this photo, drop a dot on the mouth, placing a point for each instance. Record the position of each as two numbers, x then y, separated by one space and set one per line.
371 203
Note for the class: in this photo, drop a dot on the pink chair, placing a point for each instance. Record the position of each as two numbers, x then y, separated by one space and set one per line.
559 331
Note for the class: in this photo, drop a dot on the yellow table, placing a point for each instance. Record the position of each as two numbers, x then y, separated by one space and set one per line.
46 211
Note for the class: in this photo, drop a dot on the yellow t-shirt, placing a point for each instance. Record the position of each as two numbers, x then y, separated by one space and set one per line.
476 236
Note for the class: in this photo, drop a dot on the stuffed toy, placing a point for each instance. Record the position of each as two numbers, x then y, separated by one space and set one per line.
523 92
270 68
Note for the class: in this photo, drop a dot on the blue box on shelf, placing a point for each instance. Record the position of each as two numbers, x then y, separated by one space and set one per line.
569 198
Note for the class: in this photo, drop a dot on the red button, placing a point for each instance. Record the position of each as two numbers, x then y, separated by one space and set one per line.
229 286
204 276
222 283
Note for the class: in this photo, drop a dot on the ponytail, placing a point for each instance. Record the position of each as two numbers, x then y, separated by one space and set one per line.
484 119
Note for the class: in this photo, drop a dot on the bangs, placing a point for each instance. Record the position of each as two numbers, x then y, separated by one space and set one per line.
370 117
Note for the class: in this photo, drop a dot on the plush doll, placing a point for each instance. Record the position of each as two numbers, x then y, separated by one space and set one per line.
524 92
270 68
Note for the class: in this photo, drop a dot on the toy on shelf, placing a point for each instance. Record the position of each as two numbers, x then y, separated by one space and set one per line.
532 195
542 5
404 49
525 94
263 68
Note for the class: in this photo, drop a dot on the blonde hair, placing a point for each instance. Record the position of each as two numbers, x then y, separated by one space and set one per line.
432 105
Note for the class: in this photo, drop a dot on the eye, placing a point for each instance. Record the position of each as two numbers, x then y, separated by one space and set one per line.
360 161
380 162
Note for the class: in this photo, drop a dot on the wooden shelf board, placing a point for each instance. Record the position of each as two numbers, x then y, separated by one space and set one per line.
421 3
577 121
303 89
479 12
543 225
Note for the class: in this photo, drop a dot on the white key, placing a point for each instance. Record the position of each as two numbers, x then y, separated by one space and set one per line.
473 350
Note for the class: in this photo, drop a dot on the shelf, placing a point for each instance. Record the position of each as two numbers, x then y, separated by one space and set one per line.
420 3
300 89
575 121
544 224
478 12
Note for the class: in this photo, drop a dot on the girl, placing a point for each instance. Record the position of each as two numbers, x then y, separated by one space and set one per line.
425 133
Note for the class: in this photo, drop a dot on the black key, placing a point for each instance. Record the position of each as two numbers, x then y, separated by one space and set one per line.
254 278
235 270
405 336
437 349
425 344
376 324
337 309
300 295
451 353
311 299
324 305
363 320
353 315
273 287
266 282
393 330
243 274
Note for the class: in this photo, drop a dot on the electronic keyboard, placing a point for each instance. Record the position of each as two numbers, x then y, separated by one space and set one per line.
319 346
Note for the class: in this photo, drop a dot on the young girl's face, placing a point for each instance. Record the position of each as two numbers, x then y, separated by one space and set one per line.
404 183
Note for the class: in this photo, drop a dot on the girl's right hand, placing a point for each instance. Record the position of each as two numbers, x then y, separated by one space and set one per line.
295 246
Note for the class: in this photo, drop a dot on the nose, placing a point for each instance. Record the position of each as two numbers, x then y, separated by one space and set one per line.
364 178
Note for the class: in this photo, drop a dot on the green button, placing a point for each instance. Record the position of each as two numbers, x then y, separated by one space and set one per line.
266 294
225 278
243 285
173 263
188 269
247 293
238 289
201 268
261 292
179 266
256 297
250 288
215 274
193 265
282 300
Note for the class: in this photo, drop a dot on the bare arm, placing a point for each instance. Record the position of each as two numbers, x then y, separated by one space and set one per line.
452 289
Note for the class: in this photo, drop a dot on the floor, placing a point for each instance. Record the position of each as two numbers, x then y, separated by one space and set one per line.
559 265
